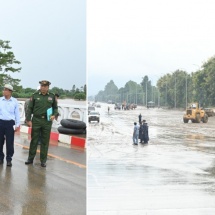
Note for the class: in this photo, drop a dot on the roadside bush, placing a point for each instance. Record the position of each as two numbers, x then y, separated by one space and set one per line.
80 96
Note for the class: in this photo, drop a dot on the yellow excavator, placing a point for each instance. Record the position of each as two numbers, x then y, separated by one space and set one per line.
195 114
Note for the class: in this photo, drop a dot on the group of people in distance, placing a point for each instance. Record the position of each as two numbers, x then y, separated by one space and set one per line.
140 131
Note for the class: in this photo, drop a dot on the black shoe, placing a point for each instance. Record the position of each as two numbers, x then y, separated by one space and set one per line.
28 162
1 162
43 164
9 163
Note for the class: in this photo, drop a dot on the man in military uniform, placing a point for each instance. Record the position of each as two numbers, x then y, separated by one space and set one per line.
40 102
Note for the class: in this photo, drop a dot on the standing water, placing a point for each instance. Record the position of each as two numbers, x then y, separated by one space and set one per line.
172 174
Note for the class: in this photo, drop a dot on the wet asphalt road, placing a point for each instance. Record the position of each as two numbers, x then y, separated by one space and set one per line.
173 174
60 188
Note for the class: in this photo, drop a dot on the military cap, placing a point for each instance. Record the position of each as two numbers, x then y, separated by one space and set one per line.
44 82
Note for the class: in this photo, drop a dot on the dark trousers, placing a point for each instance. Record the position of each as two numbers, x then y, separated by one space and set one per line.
40 127
7 131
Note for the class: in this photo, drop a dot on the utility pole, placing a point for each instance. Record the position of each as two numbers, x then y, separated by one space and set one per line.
166 94
152 94
186 90
158 98
136 94
146 93
175 90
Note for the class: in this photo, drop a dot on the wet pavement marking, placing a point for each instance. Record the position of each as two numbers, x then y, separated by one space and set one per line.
55 156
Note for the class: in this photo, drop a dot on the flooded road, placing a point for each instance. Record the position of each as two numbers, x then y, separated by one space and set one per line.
60 188
173 174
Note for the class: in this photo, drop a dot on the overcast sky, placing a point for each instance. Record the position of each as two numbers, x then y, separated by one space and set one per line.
128 39
49 38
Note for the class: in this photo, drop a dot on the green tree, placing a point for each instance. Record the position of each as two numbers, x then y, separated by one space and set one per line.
7 62
175 89
80 96
111 91
131 91
73 88
77 91
204 81
100 96
147 88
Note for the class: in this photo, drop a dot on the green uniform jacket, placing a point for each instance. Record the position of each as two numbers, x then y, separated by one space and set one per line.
39 104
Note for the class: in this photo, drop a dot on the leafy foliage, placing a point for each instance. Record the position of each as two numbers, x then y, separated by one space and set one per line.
80 96
7 61
176 89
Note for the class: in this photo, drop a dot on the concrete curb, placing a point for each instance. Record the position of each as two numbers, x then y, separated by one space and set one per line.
63 138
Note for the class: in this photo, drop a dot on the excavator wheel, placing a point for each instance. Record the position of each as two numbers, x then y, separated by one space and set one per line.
185 120
198 119
205 118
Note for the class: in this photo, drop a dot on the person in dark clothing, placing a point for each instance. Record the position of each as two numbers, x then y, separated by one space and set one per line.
145 132
141 132
140 118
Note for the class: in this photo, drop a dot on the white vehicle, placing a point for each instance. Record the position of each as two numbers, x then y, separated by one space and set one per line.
91 108
94 116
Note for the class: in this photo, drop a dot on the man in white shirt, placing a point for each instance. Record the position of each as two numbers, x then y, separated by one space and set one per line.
136 134
9 123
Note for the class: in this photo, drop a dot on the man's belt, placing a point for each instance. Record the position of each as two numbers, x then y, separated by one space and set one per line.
40 116
9 120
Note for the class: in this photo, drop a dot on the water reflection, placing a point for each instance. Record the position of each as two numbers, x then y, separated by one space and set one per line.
35 201
175 170
195 136
5 184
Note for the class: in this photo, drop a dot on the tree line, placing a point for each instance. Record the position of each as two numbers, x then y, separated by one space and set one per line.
9 65
173 90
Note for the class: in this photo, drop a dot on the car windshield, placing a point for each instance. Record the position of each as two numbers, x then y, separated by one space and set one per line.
94 113
91 108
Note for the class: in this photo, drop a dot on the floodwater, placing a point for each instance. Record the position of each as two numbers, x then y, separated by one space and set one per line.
173 174
71 102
